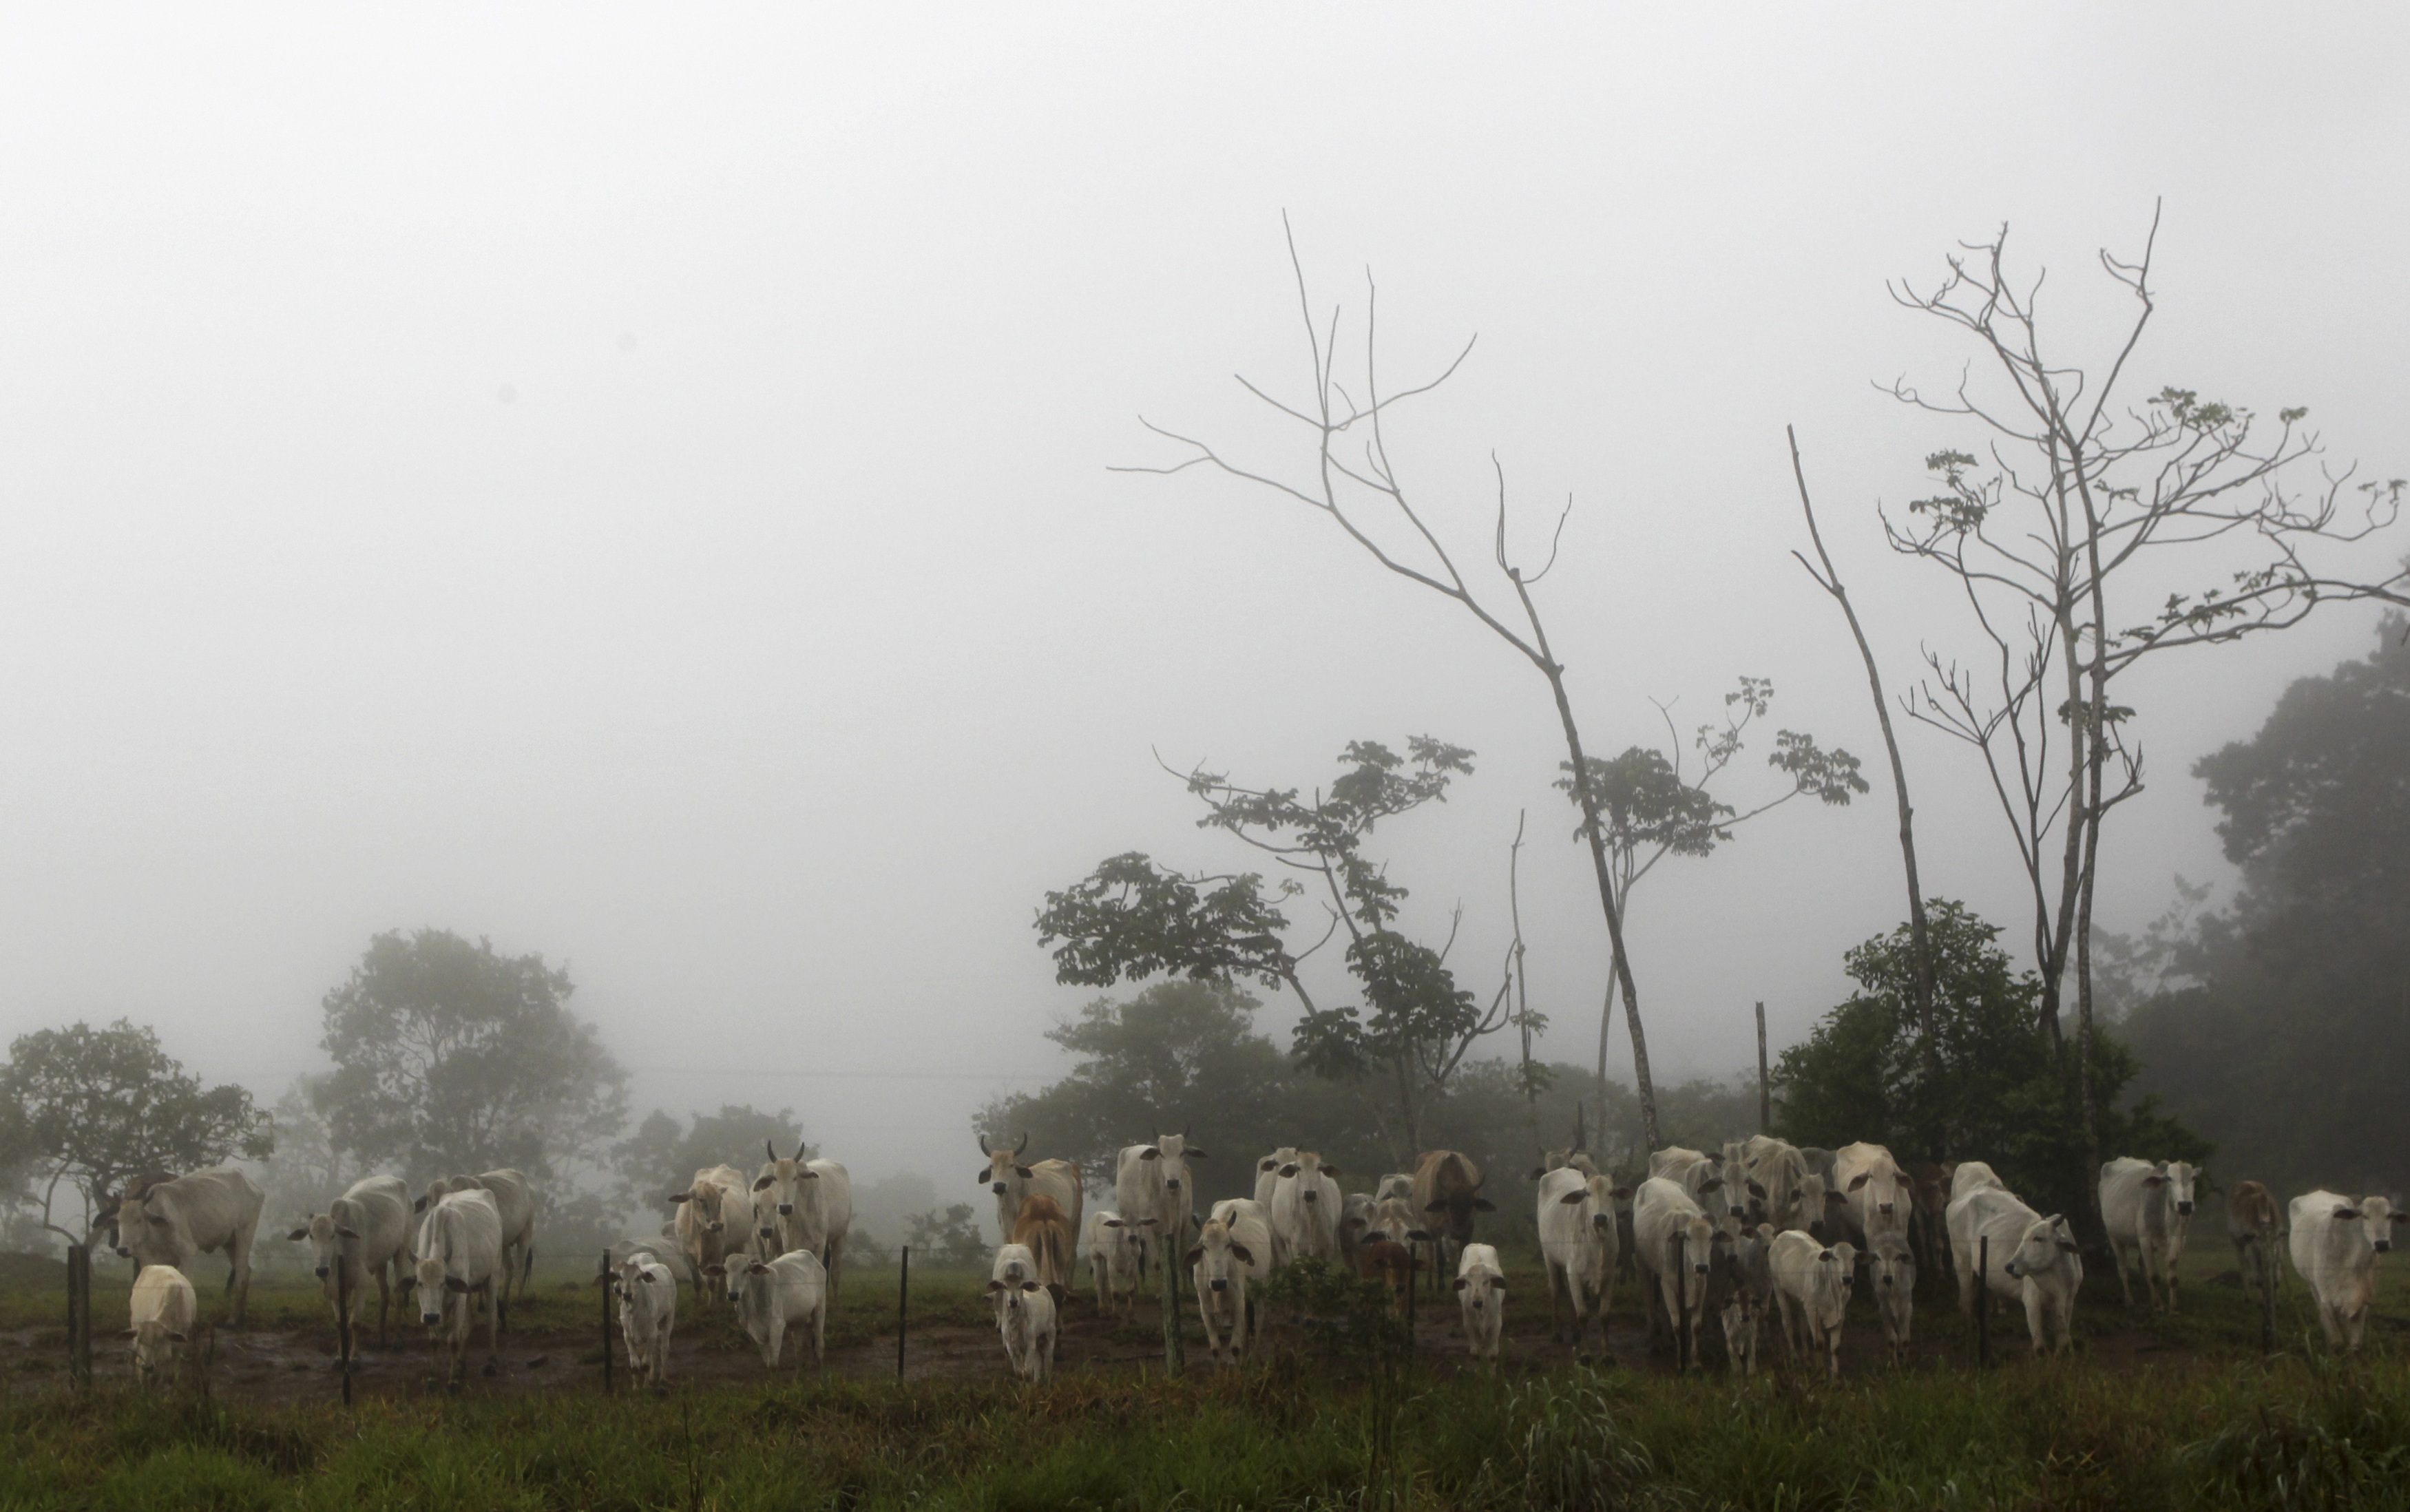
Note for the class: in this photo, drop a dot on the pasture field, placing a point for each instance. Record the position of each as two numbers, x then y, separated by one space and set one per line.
2147 1412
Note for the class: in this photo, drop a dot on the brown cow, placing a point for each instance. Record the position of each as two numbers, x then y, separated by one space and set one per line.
1043 1228
1391 1264
1447 1186
2255 1224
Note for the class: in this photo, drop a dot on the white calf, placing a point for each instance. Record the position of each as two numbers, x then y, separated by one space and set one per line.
1891 1272
647 1294
2334 1246
162 1311
1481 1291
1025 1317
1229 1254
1811 1284
1112 1262
774 1296
2146 1207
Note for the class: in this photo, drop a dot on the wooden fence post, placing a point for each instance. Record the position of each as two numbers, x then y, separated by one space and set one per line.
1681 1303
602 1281
903 1303
2266 1298
1764 1092
1983 1301
343 1320
80 1315
1175 1350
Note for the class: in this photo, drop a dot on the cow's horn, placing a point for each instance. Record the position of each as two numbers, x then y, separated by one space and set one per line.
1023 1145
984 1149
800 1147
769 1149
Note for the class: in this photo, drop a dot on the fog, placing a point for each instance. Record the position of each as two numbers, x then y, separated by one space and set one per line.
633 485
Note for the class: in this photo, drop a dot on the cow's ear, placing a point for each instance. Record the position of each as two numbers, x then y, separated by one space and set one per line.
2155 1181
158 1221
1029 1286
1622 1194
1498 1282
127 1334
1713 1183
1757 1191
420 1206
1353 1223
673 1197
1857 1180
715 1270
455 1284
1193 1255
995 1287
1194 1153
986 1173
645 1276
298 1235
1573 1199
346 1234
178 1337
764 1184
1289 1169
2066 1245
806 1174
1825 1257
1836 1199
1245 1256
1537 1171
2345 1210
1483 1204
1722 1238
2402 1217
1150 1223
1419 1236
1329 1170
757 1268
1112 1223
1023 1173
1461 1283
1150 1153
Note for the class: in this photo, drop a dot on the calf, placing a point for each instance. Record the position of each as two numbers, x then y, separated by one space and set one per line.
459 1255
2146 1208
365 1233
1391 1264
1578 1244
161 1313
1047 1233
1891 1272
2033 1260
774 1296
1025 1317
2254 1224
1014 1264
1811 1284
1481 1291
1663 1216
207 1211
1112 1262
2335 1243
1227 1256
647 1294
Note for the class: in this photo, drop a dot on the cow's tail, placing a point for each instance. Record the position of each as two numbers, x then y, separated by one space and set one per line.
1053 1253
527 1265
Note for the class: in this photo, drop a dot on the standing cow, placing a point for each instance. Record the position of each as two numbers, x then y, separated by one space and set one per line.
1741 1289
459 1255
2145 1207
1230 1255
2254 1224
1481 1293
2033 1260
1448 1187
160 1311
1306 1204
811 1203
515 1201
1112 1262
1025 1315
1152 1189
1013 1183
1811 1284
366 1233
773 1296
1048 1233
205 1212
2335 1243
715 1220
1876 1198
1891 1274
647 1294
1578 1242
1663 1216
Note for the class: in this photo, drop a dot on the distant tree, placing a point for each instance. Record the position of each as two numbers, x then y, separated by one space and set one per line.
953 1238
88 1106
663 1155
2288 1044
450 1057
1413 1027
1651 808
1988 1087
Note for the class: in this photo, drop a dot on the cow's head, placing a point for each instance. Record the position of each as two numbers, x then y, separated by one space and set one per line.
1891 1266
146 1234
703 1202
1307 1170
433 1287
2376 1215
2041 1249
783 1177
1479 1287
1218 1260
157 1348
1174 1151
329 1240
2174 1179
1005 1173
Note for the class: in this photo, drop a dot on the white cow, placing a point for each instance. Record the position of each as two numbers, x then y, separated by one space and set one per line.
2033 1259
2334 1244
197 1215
1305 1209
1663 1212
1014 1183
1972 1176
813 1205
1481 1292
514 1199
1025 1316
1811 1284
1154 1194
460 1255
366 1231
647 1293
714 1220
162 1311
1268 1172
1229 1254
1891 1274
1112 1262
2146 1208
1578 1244
1877 1198
1793 1195
774 1296
1014 1264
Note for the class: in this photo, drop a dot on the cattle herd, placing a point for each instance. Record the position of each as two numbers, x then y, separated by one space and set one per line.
1767 1228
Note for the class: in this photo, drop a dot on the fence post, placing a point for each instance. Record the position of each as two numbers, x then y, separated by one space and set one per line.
1175 1351
80 1315
343 1320
2267 1298
902 1303
602 1280
1764 1092
1983 1301
1681 1303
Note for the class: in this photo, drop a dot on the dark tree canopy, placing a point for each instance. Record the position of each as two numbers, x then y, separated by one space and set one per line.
1992 1088
2293 1043
89 1107
450 1057
663 1155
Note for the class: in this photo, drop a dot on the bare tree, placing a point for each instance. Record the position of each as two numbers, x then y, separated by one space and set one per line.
1350 489
2092 535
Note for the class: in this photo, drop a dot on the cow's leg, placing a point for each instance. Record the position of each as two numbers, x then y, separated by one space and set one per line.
2175 1261
2036 1319
1968 1282
238 1278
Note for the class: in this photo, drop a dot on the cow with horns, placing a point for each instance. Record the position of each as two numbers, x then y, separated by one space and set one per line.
1014 1182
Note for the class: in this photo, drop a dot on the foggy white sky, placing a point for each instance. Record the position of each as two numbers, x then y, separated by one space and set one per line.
631 482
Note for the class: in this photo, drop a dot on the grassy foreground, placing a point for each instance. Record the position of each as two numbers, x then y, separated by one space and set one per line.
2057 1433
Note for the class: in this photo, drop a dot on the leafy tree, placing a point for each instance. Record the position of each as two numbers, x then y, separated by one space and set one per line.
89 1107
950 1239
450 1057
1649 809
1413 1027
663 1155
1985 1085
2289 1046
